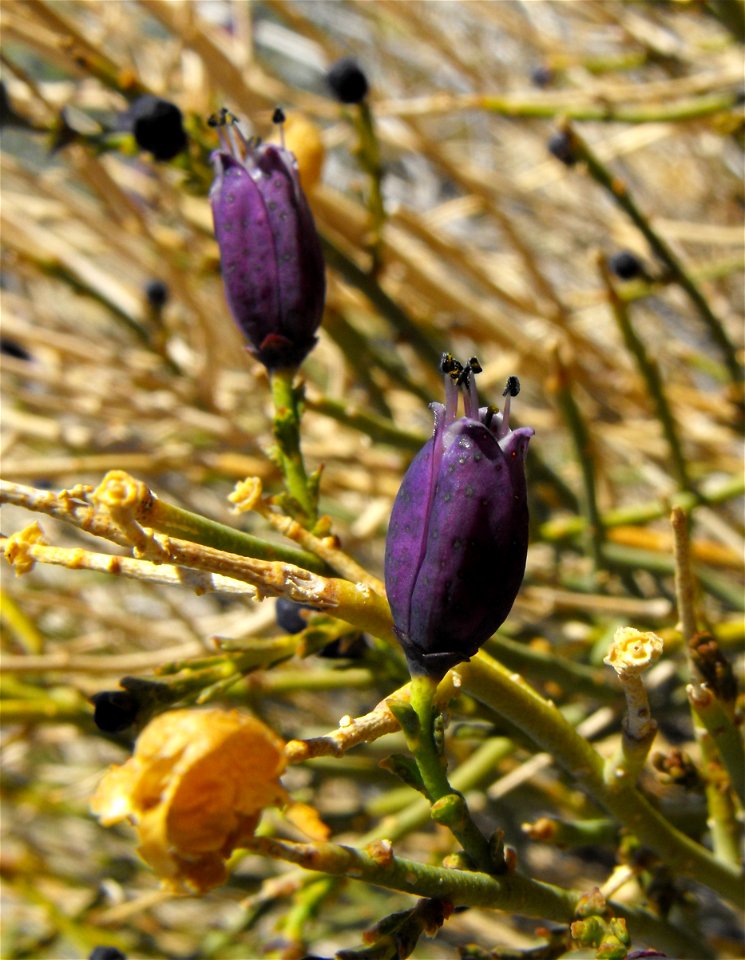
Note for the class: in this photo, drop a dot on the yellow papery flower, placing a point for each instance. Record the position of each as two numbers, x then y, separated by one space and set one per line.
194 789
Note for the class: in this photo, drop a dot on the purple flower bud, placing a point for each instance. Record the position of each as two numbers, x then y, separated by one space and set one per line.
272 263
458 535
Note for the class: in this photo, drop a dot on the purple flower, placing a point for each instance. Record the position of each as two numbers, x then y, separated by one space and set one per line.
458 535
272 262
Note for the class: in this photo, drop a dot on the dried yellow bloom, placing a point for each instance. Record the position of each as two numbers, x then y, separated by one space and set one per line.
632 651
194 790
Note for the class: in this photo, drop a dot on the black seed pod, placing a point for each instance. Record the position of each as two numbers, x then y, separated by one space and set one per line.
106 953
157 126
347 81
114 710
288 615
157 293
626 265
560 145
542 76
12 349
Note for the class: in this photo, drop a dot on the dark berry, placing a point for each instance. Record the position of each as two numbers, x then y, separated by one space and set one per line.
12 349
351 646
347 81
157 126
288 615
114 710
542 76
157 293
106 953
625 265
560 145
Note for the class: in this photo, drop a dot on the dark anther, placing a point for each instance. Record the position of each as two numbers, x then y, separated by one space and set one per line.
474 364
278 116
222 118
491 410
448 363
512 387
463 376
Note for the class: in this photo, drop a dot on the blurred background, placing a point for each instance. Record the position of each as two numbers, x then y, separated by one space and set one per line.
555 187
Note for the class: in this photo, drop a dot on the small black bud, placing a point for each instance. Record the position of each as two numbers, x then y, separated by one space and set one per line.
542 76
560 145
106 953
347 81
157 293
114 710
157 126
352 646
12 349
626 265
288 615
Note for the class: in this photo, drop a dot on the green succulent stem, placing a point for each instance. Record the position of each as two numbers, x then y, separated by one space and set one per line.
513 893
726 831
710 714
497 688
448 805
301 489
177 522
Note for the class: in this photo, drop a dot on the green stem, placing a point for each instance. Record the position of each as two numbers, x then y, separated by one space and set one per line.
177 522
566 527
686 109
448 805
650 372
377 428
301 490
620 193
369 156
710 713
726 831
429 349
514 893
584 455
497 688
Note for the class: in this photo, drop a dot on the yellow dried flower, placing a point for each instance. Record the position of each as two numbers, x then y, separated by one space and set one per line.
633 651
194 790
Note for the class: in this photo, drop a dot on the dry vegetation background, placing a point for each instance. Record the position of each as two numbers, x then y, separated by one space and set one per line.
489 245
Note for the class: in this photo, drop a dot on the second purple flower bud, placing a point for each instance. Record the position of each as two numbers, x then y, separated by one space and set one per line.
270 251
